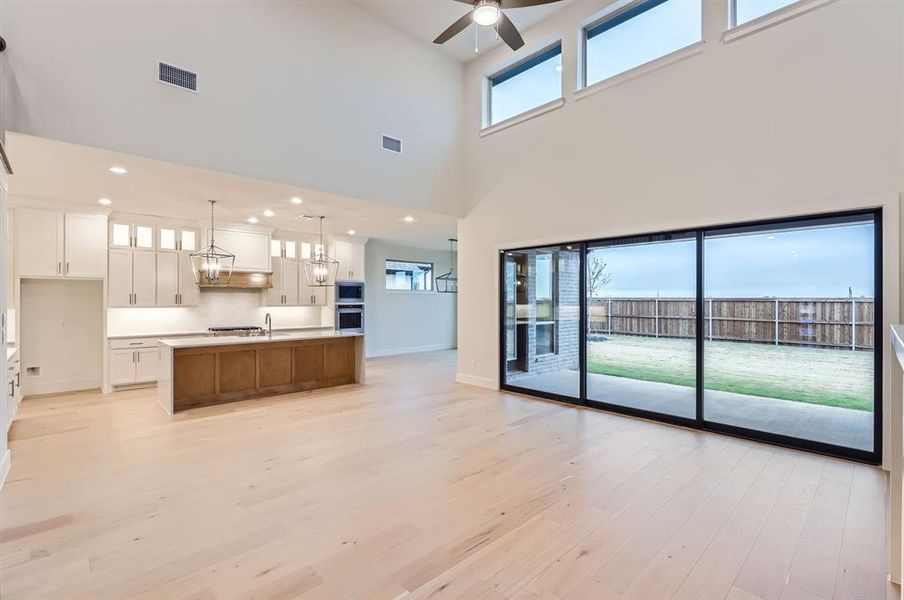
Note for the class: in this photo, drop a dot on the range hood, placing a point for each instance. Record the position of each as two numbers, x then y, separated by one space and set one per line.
241 280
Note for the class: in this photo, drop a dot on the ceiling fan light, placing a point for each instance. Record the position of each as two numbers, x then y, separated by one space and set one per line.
487 13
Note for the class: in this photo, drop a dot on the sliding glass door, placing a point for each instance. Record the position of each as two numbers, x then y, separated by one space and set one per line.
641 323
541 312
790 329
765 330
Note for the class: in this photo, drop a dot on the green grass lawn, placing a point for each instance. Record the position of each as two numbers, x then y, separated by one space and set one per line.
815 375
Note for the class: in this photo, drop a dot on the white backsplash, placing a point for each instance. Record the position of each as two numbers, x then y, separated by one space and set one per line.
217 308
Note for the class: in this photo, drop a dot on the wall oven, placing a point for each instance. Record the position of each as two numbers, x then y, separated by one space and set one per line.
349 292
350 317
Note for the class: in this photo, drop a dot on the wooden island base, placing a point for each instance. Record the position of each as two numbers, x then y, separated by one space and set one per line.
213 374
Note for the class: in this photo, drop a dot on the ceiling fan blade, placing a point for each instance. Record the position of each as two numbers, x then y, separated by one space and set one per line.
454 29
524 3
509 33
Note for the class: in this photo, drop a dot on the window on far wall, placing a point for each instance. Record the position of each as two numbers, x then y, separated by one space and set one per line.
526 85
743 11
409 276
640 33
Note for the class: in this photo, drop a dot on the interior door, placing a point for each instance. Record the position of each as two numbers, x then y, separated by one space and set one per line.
40 242
120 278
86 245
189 292
167 278
144 275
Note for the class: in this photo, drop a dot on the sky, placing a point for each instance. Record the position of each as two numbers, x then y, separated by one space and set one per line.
822 262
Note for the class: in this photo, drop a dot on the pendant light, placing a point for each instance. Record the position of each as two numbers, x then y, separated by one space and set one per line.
320 269
447 283
212 265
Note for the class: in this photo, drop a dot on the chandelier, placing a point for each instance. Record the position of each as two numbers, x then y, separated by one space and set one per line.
212 265
320 269
447 283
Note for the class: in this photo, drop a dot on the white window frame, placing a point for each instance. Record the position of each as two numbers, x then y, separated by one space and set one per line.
487 127
614 11
779 15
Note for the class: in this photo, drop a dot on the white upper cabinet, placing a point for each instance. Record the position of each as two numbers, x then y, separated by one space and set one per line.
285 283
129 234
280 248
252 250
177 238
56 244
133 278
175 280
86 252
351 260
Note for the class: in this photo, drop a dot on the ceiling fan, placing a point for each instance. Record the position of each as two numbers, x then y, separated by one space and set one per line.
488 13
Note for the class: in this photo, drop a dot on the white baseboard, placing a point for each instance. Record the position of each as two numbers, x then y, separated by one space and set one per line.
484 382
37 388
408 350
5 463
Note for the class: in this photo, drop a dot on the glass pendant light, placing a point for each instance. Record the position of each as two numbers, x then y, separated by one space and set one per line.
320 270
212 265
447 283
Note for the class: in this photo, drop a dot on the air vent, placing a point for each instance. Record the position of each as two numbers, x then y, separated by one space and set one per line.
181 78
392 144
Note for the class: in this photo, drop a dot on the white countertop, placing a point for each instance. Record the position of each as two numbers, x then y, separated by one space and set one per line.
11 351
897 341
263 339
204 333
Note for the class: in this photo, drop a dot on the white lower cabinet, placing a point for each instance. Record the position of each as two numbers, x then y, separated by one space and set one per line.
134 361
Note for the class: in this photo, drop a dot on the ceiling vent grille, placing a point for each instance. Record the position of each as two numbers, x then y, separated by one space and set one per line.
180 78
392 144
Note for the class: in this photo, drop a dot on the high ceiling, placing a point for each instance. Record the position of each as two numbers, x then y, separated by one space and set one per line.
426 19
53 171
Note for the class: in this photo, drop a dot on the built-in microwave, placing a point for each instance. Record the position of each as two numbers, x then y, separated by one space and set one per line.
349 292
350 317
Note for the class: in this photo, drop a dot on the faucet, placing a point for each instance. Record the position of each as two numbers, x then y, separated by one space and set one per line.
268 322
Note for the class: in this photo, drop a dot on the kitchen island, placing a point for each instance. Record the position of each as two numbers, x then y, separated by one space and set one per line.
212 370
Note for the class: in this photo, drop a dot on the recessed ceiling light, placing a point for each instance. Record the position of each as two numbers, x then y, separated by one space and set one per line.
252 220
268 213
105 201
296 200
118 170
408 219
350 232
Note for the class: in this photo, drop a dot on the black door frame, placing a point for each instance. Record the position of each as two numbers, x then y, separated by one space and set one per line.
699 422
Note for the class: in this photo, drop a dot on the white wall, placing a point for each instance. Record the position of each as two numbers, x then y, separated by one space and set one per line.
803 117
217 308
293 92
62 333
403 322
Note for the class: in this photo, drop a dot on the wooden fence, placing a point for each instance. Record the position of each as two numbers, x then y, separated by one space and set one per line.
829 322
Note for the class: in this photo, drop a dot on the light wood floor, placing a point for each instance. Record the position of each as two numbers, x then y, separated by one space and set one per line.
419 487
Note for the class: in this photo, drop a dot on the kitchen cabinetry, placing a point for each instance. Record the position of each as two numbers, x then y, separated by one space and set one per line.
134 361
252 250
129 234
178 238
310 295
280 248
56 244
132 279
351 260
175 281
14 389
285 283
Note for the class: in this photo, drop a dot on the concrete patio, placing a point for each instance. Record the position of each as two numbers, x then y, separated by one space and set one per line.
828 424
